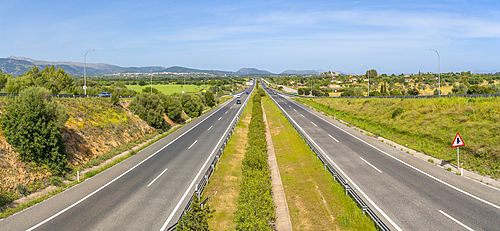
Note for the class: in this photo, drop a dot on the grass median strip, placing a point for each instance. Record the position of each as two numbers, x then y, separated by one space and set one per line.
224 184
315 200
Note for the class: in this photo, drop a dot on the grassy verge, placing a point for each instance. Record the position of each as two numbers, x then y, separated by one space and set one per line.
315 200
224 184
429 125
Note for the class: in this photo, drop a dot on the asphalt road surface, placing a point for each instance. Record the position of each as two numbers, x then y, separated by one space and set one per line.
407 193
148 191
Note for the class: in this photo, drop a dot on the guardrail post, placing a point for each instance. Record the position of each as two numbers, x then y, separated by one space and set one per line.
206 178
364 209
347 188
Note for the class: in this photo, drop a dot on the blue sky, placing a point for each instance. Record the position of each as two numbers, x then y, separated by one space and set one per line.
389 36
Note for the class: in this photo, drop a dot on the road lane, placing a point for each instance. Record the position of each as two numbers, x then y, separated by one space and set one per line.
410 191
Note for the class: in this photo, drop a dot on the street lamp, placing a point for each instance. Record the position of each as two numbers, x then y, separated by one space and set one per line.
439 70
84 71
368 79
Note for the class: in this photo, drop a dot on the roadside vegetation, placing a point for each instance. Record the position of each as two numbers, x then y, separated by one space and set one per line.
225 182
255 206
428 125
315 200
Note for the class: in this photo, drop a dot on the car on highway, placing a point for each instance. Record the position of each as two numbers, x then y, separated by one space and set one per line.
238 101
247 93
238 96
104 94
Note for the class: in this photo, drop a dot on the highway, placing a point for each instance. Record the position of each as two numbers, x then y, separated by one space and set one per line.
407 193
148 191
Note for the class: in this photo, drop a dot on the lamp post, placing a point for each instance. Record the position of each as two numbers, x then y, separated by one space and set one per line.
368 80
85 72
439 70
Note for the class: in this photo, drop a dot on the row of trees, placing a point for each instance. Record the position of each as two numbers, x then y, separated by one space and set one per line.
152 107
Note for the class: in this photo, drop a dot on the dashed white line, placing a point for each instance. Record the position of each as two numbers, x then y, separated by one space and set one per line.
157 177
193 144
302 115
314 124
370 164
209 128
220 118
332 137
295 109
226 112
455 220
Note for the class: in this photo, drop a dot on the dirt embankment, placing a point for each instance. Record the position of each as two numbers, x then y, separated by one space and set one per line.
93 129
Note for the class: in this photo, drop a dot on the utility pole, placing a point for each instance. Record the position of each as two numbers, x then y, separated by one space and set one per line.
85 72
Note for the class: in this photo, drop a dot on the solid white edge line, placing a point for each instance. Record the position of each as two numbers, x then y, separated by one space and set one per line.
314 124
455 220
370 164
199 172
332 137
193 144
345 175
157 177
209 128
118 177
411 166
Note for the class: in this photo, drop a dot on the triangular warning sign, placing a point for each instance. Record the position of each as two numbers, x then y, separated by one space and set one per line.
458 141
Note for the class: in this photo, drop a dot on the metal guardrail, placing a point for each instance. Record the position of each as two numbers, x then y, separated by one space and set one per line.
204 180
336 176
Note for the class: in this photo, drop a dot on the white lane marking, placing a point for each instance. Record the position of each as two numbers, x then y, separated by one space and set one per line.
118 177
220 118
370 164
199 173
332 137
455 220
157 177
345 175
289 106
209 128
302 115
314 124
226 112
409 165
193 144
294 109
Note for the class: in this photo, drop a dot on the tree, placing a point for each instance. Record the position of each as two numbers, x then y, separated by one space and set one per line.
49 78
142 83
300 91
4 78
371 73
209 98
172 106
148 90
459 89
149 108
476 89
306 91
192 105
413 91
197 217
33 125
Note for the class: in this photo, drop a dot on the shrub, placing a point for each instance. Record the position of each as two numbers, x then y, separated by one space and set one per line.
33 125
23 190
209 98
149 108
413 91
115 99
397 112
300 91
149 90
261 92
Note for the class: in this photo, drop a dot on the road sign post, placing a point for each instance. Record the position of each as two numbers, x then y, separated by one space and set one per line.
458 142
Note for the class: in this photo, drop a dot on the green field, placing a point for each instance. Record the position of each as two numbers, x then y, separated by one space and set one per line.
169 89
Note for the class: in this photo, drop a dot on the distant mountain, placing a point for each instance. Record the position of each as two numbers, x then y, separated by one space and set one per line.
249 71
302 72
19 65
177 69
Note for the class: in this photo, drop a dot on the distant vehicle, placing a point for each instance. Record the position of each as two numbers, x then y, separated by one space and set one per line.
104 94
238 96
238 101
247 92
